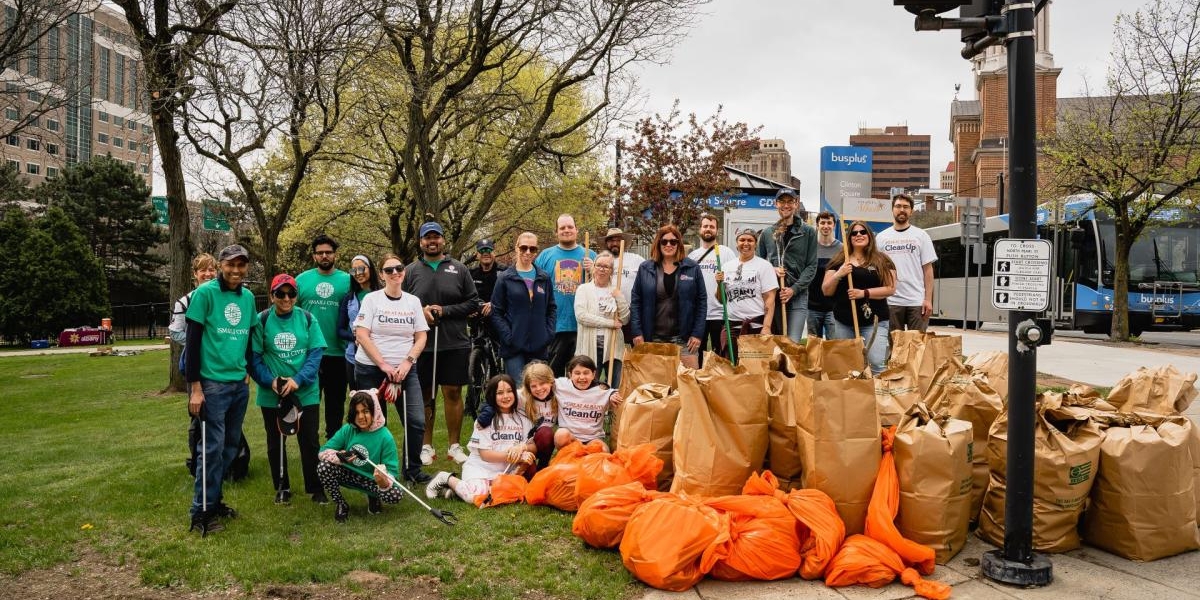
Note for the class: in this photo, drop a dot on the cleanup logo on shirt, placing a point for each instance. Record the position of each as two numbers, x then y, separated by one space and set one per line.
233 313
324 289
285 341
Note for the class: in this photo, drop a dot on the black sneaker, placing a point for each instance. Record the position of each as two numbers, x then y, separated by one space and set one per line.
374 506
319 497
206 522
418 476
283 497
224 511
342 513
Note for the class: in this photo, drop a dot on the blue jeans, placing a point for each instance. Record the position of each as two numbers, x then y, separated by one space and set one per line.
820 323
369 377
514 366
224 409
877 352
797 315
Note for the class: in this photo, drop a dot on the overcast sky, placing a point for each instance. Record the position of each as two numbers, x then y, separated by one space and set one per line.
811 73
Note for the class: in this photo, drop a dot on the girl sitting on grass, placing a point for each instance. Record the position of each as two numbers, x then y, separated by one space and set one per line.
502 447
536 399
364 430
582 403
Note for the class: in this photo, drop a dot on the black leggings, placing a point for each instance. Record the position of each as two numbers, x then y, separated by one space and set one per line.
333 477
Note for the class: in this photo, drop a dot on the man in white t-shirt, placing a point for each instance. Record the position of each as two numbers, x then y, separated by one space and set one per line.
706 255
912 251
630 262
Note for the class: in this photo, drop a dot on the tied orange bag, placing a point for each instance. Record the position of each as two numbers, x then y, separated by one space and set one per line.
881 512
819 528
672 542
763 544
866 561
506 489
575 451
642 463
601 519
554 485
596 472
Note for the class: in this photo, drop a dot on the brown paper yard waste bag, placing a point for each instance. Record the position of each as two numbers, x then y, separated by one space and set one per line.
925 353
786 390
720 438
644 363
964 395
649 417
994 365
933 462
1066 455
895 391
834 359
755 351
1142 506
839 431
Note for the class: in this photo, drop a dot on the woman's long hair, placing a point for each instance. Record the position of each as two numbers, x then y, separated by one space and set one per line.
492 388
656 251
538 372
372 275
874 258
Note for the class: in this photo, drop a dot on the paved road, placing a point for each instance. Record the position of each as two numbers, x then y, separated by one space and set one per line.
1187 339
80 350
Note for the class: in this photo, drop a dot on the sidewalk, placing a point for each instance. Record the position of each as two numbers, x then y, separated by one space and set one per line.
81 350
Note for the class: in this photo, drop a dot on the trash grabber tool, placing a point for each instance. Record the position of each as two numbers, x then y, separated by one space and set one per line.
725 310
444 516
612 351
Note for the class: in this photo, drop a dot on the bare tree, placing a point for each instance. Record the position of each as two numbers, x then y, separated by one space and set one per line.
273 82
1137 147
41 78
168 33
491 84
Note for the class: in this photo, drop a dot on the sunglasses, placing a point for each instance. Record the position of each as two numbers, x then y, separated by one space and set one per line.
858 232
668 242
324 253
358 270
281 294
393 270
528 249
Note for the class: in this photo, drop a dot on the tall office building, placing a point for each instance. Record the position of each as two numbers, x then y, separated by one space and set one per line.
772 161
901 159
75 94
947 177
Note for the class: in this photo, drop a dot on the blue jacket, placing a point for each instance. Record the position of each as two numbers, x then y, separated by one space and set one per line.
692 304
523 325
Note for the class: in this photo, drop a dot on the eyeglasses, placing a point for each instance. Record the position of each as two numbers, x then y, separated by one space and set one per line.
787 201
604 267
281 294
668 242
358 270
858 232
527 249
393 270
325 252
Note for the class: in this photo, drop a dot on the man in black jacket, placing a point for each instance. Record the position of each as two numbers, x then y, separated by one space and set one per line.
448 296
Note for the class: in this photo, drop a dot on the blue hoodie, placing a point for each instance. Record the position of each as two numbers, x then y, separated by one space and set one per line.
523 325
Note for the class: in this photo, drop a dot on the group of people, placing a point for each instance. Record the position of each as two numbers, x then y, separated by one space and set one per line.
561 318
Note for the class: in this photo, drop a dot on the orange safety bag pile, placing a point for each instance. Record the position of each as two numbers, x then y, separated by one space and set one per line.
602 470
506 489
819 529
602 518
763 543
672 542
555 486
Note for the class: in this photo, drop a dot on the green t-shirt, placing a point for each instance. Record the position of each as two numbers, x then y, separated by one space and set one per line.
228 317
284 343
320 295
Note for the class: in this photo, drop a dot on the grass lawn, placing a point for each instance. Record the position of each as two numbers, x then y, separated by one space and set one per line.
94 455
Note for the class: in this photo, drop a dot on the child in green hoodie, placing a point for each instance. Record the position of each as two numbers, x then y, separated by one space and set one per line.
364 431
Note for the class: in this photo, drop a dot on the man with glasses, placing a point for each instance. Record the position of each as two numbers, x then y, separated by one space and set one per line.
448 298
706 256
321 291
484 275
911 249
565 264
820 306
791 247
523 309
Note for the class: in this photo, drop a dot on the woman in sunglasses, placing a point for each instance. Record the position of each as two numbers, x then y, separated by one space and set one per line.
363 280
523 309
874 280
390 330
669 303
285 356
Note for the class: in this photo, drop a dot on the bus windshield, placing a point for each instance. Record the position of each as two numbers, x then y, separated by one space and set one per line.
1170 253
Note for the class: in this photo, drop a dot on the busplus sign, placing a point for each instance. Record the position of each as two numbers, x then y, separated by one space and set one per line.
846 184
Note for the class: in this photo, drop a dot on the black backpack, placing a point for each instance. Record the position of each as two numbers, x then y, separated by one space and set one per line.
241 463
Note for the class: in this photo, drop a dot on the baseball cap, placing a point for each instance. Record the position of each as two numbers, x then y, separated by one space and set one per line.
485 245
233 251
431 226
283 279
787 192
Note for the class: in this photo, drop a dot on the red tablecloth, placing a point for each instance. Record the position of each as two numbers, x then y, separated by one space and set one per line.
84 336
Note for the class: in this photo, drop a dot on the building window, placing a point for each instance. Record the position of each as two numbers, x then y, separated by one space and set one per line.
146 130
11 87
33 144
103 69
52 149
132 125
51 125
13 140
35 96
145 169
33 169
102 138
51 172
12 114
145 148
118 142
119 80
118 121
103 116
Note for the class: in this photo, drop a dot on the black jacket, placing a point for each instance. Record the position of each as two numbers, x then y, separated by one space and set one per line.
452 288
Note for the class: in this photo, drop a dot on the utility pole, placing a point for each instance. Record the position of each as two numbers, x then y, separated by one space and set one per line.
983 24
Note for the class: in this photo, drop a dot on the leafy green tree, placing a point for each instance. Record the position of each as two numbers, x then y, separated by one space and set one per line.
110 203
51 280
14 189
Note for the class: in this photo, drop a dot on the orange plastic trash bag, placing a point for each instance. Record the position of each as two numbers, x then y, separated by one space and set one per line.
881 512
506 489
763 544
865 561
671 542
554 485
575 451
819 527
602 518
642 464
599 471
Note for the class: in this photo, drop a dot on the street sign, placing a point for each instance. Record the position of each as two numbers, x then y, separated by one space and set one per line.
846 184
160 210
1021 275
214 214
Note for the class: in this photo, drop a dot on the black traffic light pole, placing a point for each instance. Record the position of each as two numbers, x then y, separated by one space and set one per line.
986 23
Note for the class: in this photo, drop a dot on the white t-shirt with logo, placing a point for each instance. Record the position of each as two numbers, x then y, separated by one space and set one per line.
911 250
581 411
505 431
629 269
543 410
745 284
708 267
392 322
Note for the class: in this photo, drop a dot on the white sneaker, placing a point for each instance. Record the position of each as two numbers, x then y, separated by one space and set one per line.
428 454
439 484
456 452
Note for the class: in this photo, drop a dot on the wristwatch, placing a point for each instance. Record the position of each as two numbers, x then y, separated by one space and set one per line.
411 359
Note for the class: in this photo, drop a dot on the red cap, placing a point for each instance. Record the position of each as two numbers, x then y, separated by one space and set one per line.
283 279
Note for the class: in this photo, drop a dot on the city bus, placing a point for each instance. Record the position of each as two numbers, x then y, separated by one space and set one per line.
1164 270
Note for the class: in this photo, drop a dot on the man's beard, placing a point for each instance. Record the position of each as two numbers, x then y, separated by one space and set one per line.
325 264
709 236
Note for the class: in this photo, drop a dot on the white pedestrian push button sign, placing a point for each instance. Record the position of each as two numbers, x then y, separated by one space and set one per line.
1021 275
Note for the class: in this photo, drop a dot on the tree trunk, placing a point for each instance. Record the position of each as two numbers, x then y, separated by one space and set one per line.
1120 316
180 243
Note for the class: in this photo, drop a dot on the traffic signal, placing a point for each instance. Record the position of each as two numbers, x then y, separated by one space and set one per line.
934 7
977 9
